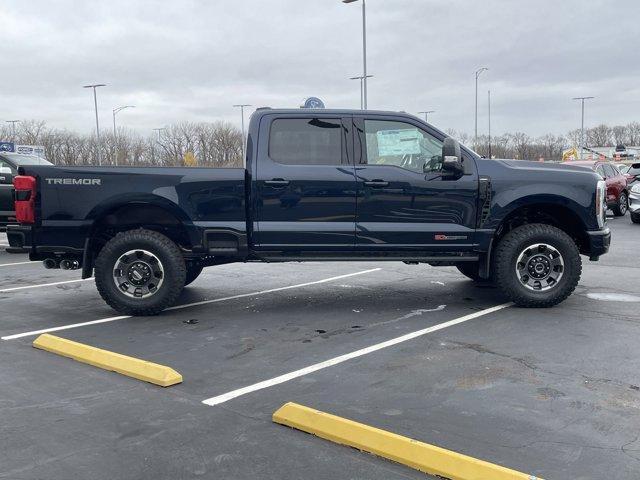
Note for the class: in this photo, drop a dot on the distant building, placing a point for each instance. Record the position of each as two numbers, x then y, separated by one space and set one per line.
621 153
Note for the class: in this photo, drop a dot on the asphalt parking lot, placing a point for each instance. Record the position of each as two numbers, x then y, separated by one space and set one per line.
551 392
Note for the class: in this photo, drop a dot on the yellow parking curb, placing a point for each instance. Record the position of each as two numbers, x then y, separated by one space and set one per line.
115 362
421 456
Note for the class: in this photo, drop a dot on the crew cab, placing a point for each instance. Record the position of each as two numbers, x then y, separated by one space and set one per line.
9 164
321 185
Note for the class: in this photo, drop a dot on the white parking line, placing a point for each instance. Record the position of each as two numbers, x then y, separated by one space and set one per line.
187 305
17 263
348 356
13 289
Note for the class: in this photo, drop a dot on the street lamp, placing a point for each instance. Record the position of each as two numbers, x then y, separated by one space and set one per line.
13 128
426 114
582 99
360 77
489 108
364 50
95 103
242 105
475 137
115 112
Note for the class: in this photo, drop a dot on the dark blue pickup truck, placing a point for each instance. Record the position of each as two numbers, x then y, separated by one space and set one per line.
318 185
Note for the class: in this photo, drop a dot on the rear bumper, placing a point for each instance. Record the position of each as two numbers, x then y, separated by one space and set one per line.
20 239
599 242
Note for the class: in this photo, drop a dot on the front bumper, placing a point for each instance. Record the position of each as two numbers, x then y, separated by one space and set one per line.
599 242
634 202
20 239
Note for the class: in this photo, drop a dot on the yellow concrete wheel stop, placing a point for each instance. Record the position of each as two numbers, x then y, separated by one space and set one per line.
424 457
115 362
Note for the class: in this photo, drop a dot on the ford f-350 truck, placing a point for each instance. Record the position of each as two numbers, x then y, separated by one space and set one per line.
321 185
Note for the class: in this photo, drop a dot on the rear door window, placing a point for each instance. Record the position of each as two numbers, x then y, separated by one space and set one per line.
306 141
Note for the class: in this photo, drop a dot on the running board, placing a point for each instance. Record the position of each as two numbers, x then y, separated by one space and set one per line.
447 259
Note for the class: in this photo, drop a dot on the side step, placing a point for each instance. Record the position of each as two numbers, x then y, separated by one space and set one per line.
225 243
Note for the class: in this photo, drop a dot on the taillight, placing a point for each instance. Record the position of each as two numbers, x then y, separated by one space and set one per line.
601 202
25 198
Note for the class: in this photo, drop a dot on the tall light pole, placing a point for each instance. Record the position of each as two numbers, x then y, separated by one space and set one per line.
115 132
582 99
115 112
95 103
426 114
361 78
475 136
364 49
489 107
242 105
13 128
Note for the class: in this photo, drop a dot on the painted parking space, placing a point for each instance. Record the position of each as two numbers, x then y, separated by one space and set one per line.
511 387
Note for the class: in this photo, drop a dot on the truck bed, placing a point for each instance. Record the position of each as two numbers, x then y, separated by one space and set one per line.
72 200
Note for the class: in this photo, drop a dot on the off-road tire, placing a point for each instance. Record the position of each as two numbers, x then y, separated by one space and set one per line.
470 270
193 272
620 208
159 245
635 217
517 240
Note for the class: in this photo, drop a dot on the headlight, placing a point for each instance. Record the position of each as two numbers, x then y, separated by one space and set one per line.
636 188
601 190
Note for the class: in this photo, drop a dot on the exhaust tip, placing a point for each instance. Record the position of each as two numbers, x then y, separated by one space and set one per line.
50 263
69 264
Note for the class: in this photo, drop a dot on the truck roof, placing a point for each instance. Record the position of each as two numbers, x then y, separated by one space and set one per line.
330 111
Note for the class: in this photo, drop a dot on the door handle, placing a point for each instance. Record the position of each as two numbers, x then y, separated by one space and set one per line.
376 183
277 182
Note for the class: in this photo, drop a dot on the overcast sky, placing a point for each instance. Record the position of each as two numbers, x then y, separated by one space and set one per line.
191 60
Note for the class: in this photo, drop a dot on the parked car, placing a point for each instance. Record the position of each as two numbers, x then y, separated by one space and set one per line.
617 189
9 163
319 185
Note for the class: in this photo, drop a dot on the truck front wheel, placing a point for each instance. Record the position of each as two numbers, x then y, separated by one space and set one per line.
140 272
537 265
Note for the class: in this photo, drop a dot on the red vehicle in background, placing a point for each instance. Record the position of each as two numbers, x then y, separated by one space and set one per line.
617 188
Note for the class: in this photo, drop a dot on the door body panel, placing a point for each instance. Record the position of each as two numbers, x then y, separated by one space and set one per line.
301 206
402 209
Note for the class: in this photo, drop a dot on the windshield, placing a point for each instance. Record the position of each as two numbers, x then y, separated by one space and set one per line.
20 159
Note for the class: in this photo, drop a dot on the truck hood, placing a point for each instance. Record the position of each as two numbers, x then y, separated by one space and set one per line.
529 165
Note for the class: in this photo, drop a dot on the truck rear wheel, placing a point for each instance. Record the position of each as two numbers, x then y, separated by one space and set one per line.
140 272
635 217
537 265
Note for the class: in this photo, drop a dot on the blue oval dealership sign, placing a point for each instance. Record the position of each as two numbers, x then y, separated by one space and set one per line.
313 102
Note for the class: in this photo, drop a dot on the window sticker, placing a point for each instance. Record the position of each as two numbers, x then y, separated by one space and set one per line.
398 142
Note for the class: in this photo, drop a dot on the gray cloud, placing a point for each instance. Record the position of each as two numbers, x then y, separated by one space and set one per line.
191 60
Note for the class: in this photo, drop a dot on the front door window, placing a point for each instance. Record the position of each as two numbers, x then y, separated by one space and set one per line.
402 145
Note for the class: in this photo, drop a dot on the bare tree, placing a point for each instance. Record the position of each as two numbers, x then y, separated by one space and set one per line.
600 136
219 144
